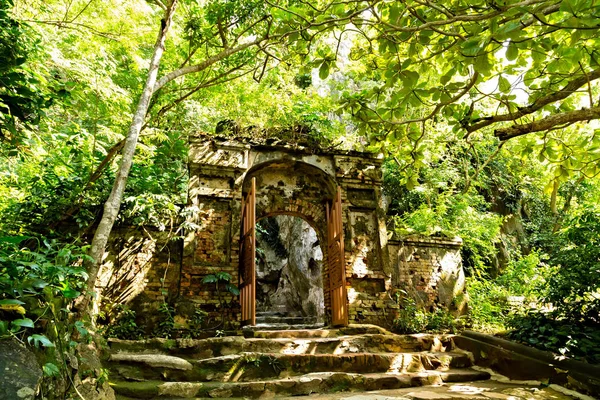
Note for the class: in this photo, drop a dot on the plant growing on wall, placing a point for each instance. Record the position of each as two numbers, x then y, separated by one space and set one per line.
125 326
222 282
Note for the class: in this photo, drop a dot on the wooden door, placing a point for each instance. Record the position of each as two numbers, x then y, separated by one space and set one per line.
336 262
248 257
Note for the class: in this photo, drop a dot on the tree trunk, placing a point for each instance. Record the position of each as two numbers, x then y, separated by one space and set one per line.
113 204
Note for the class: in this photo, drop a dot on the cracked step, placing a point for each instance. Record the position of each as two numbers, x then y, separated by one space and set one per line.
281 325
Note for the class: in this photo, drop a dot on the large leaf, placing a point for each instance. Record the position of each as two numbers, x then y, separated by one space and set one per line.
38 340
504 84
23 323
231 288
50 369
512 51
11 301
324 70
13 239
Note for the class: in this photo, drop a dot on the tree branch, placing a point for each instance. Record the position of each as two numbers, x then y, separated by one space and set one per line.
75 26
439 106
203 65
585 114
464 17
565 92
222 33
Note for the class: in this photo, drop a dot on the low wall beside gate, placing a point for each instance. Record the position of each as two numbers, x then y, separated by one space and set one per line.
430 271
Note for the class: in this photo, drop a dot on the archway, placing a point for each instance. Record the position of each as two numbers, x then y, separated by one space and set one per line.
289 266
292 180
299 189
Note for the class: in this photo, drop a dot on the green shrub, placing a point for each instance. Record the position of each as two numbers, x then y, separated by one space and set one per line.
413 319
39 280
410 319
124 326
571 336
166 322
522 285
441 320
571 293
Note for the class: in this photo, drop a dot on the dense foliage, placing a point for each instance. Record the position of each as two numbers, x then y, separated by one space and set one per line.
37 289
486 113
572 322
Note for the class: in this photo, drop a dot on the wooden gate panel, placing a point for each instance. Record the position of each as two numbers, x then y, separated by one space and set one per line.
336 262
248 257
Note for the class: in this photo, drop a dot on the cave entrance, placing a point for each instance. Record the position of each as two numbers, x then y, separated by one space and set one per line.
289 264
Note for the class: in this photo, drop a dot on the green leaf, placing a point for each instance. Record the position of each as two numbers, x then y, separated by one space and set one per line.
482 65
81 329
23 323
474 46
507 28
40 339
409 78
11 301
448 76
13 239
233 289
512 51
504 84
324 70
223 276
70 293
50 369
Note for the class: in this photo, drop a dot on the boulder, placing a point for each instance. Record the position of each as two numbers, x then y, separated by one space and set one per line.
20 373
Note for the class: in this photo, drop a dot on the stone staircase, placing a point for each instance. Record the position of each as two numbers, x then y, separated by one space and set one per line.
284 320
273 363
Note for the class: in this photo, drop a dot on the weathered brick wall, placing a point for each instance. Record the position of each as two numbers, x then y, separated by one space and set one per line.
368 273
141 269
429 270
293 181
209 250
290 180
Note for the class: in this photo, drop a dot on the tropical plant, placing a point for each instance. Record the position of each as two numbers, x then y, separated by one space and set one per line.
39 280
124 326
220 279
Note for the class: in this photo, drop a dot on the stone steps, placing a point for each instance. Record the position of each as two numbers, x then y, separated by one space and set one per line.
295 331
254 366
320 382
274 313
291 362
287 320
283 326
322 342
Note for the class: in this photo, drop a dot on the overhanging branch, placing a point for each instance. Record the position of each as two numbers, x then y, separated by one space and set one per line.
203 65
585 114
562 94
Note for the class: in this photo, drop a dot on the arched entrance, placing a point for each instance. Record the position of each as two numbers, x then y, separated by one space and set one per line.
299 189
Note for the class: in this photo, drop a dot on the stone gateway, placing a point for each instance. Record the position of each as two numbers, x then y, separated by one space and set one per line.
336 194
